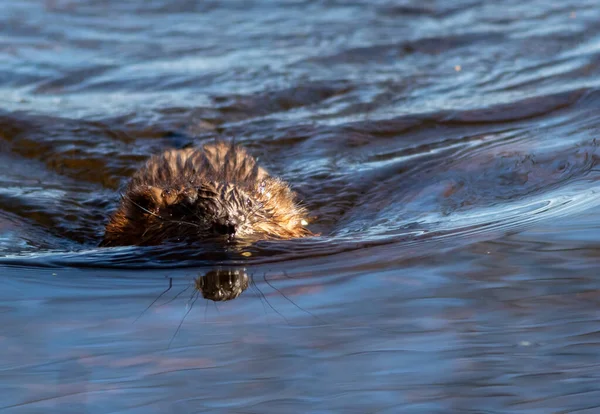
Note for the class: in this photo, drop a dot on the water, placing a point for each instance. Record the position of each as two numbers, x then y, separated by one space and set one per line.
447 150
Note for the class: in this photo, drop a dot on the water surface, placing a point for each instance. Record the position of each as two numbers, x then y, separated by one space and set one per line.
447 151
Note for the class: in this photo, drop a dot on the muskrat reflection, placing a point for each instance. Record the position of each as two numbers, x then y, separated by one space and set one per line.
222 284
217 285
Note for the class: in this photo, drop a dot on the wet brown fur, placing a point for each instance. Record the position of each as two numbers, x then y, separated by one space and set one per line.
216 192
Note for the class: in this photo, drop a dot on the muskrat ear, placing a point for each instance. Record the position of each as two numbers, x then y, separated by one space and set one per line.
147 197
156 194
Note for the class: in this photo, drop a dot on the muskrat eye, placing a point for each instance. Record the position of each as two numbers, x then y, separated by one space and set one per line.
169 196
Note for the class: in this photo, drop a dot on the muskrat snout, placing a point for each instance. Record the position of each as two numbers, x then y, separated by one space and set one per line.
226 227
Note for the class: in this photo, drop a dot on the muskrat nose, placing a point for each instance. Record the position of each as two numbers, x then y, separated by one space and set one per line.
226 227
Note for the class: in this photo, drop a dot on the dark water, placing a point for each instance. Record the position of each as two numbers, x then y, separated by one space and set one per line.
448 151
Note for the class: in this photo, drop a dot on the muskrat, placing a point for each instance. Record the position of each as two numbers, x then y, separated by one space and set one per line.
215 192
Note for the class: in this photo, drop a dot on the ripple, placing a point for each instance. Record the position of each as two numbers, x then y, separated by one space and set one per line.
395 183
447 151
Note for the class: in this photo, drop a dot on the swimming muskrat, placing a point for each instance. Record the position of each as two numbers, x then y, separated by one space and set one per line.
215 192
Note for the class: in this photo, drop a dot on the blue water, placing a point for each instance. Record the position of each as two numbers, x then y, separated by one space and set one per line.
446 150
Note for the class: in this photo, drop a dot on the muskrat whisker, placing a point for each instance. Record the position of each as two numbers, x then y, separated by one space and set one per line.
189 223
205 310
174 297
258 207
157 215
183 319
291 301
271 306
191 296
255 288
126 197
154 301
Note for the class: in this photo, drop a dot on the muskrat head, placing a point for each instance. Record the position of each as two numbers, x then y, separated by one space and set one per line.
218 191
213 210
